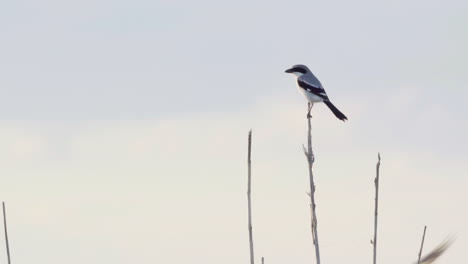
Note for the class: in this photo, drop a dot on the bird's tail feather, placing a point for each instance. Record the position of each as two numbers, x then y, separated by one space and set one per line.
335 111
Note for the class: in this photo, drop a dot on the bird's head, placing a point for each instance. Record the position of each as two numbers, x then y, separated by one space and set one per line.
298 70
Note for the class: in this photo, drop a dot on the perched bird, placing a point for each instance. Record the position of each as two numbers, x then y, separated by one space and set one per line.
313 90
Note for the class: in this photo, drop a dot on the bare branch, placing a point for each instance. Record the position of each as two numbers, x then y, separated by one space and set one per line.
422 244
249 174
310 160
6 233
376 209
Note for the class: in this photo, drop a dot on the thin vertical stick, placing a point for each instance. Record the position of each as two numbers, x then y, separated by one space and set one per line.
376 182
422 244
248 198
310 159
6 233
263 260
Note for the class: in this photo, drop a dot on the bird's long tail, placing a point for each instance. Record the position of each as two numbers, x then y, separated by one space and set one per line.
335 111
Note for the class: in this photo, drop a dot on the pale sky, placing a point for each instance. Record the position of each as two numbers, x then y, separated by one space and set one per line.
123 129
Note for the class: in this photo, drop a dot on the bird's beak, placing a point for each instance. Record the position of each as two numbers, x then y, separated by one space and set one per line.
288 71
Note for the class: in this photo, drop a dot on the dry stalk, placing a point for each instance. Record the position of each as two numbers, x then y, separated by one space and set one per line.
376 209
249 174
422 244
6 233
310 160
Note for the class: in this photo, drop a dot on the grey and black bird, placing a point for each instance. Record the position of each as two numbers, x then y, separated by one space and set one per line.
313 90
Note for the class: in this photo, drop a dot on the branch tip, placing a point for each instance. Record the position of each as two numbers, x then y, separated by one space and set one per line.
305 150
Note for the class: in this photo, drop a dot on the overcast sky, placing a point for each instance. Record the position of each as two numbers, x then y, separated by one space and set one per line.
123 128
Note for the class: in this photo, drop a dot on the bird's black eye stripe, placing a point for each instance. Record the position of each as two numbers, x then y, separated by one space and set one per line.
297 69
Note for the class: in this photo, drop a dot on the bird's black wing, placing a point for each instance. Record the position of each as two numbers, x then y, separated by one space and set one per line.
312 89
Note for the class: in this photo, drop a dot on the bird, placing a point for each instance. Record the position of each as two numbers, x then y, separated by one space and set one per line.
313 90
432 256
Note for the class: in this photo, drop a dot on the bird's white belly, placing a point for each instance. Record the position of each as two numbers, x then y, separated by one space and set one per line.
310 96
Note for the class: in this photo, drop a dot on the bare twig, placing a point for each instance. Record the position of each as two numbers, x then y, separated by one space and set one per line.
311 222
248 197
310 160
422 244
6 233
376 209
432 256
